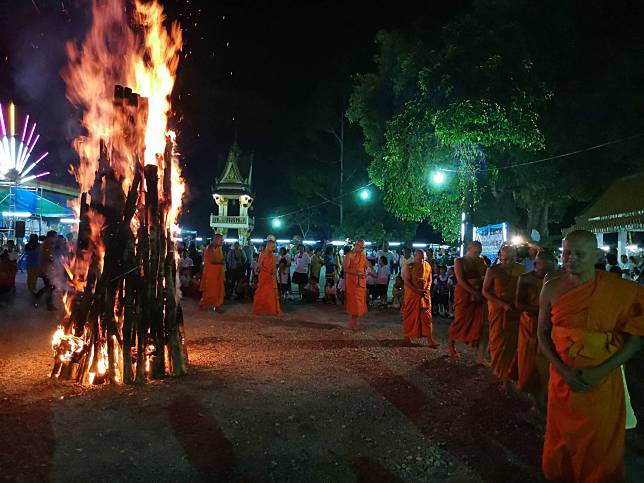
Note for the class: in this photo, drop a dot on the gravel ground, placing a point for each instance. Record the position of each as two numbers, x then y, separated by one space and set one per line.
295 398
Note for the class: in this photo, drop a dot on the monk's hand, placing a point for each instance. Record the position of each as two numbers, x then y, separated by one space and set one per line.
574 380
591 375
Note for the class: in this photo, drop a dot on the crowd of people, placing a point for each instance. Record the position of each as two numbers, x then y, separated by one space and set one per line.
555 326
43 259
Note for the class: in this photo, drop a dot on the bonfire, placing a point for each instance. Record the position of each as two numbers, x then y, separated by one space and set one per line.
123 321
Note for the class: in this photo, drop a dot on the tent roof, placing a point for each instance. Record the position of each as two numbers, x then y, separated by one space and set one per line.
620 207
35 204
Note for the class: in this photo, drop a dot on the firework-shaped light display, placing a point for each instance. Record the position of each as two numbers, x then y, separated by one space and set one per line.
15 151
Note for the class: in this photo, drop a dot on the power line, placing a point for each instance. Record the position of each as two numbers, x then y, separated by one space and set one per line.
331 200
559 156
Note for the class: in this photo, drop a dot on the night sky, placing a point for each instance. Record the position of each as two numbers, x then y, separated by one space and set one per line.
258 63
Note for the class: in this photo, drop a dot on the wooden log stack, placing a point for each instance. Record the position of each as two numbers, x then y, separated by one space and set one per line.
125 311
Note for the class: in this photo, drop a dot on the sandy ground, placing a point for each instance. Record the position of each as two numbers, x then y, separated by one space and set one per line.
296 398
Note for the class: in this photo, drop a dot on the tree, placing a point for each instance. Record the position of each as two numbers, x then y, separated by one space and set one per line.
451 104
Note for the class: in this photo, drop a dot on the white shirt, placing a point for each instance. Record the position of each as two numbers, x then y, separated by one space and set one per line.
389 255
383 275
404 262
303 261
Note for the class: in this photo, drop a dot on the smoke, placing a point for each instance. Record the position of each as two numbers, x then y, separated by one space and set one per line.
37 57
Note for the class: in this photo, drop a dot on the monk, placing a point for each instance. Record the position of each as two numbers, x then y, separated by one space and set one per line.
500 288
532 364
590 323
417 306
213 276
470 308
267 299
355 280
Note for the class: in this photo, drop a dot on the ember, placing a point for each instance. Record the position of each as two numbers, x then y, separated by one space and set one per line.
124 301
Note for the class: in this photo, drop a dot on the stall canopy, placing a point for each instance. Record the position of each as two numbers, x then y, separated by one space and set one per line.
34 203
619 208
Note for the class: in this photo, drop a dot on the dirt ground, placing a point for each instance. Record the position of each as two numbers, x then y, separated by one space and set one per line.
295 398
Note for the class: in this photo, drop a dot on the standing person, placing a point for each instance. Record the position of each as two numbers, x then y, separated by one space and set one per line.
417 305
283 255
316 264
441 291
500 288
235 262
48 268
532 363
32 264
371 280
301 274
388 254
470 310
266 299
590 323
405 259
250 252
355 273
284 279
196 257
429 256
330 267
213 276
382 280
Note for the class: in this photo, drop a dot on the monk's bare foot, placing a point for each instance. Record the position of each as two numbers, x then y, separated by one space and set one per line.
218 310
451 350
432 345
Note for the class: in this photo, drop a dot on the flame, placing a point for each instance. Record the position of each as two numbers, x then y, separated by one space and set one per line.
132 46
65 346
111 54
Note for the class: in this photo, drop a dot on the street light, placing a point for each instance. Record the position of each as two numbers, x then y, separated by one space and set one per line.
277 223
438 178
365 194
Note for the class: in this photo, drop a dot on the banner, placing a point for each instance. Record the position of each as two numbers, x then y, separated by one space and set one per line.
491 237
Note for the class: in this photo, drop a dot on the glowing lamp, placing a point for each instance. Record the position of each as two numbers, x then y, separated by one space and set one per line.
365 194
438 178
276 223
517 240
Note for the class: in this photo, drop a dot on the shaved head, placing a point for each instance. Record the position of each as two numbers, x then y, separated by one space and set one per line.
544 262
507 255
580 253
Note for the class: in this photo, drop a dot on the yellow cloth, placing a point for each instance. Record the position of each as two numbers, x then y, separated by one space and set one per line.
355 299
416 309
212 278
504 325
585 430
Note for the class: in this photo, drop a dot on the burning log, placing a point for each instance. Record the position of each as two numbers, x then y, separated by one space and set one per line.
124 321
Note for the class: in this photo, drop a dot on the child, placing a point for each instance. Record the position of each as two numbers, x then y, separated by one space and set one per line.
451 282
371 280
330 293
311 291
440 291
397 292
382 280
284 278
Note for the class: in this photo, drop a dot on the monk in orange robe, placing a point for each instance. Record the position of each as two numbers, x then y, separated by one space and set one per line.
470 307
532 363
590 323
500 288
213 277
417 305
355 284
267 299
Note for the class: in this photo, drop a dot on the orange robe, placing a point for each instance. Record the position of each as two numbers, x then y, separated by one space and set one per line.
532 363
504 326
266 299
416 309
212 278
355 298
470 316
585 430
